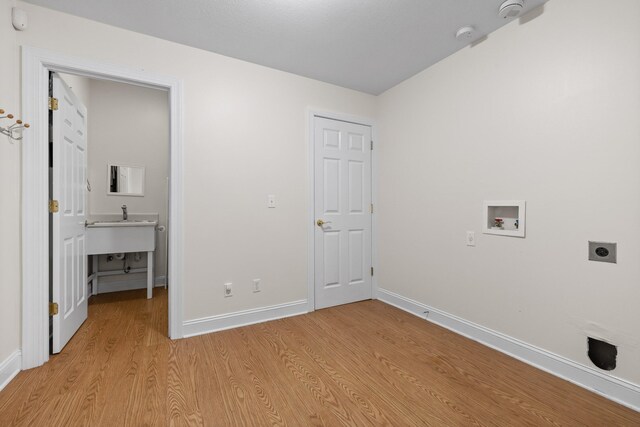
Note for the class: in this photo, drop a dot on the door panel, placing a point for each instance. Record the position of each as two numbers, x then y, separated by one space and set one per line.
331 186
356 187
331 258
342 197
68 255
81 289
356 256
356 142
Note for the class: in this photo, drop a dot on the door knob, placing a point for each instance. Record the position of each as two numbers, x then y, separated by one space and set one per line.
320 222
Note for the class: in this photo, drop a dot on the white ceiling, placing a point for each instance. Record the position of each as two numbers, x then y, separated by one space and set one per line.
366 45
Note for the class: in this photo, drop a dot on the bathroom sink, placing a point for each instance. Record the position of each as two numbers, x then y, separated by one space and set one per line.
108 237
122 236
122 223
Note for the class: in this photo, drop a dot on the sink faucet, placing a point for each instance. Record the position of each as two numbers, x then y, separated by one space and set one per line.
125 215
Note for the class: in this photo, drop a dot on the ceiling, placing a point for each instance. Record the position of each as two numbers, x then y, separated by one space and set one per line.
366 45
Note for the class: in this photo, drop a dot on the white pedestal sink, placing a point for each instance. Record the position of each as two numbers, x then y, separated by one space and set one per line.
112 237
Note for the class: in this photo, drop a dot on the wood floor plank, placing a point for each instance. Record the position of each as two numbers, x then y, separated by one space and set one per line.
543 397
351 377
266 361
360 364
441 381
443 409
183 402
356 390
304 370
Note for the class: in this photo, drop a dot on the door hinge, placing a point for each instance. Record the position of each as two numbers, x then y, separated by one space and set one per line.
53 308
53 206
372 271
372 144
371 207
53 104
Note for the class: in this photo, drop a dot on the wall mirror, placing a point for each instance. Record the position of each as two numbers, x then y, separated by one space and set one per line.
125 180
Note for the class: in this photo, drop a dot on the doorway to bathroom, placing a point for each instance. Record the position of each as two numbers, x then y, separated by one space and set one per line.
36 225
109 171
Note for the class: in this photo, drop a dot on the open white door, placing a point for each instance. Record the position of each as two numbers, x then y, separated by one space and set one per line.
69 186
342 211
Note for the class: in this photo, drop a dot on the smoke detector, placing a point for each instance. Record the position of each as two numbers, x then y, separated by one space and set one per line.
511 9
465 33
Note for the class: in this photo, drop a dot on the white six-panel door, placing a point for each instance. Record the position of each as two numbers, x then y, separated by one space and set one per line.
69 255
342 199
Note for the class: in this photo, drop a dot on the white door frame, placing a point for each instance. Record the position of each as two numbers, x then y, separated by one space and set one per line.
311 214
36 64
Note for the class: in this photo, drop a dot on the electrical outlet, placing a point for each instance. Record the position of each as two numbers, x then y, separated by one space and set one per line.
471 238
228 290
256 285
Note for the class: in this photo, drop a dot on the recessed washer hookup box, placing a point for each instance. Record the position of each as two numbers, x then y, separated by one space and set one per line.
603 252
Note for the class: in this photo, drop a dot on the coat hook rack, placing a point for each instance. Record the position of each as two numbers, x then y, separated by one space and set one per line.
13 131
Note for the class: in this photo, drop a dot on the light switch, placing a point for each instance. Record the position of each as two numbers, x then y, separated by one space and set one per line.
271 201
471 238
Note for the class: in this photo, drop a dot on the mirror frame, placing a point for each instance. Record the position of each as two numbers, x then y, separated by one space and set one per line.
144 177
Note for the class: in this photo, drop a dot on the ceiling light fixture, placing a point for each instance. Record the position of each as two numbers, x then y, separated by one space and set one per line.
510 9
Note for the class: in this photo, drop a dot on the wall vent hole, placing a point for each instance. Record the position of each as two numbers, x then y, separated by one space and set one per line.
602 354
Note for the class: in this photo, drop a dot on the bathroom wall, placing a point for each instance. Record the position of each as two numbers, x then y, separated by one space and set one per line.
545 109
129 125
245 138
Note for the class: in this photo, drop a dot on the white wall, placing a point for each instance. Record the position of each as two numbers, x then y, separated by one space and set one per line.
129 125
9 192
245 137
546 111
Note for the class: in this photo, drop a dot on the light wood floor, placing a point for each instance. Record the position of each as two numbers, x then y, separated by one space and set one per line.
359 364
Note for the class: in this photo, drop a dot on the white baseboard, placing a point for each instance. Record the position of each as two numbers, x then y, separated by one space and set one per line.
129 285
612 388
9 368
221 322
